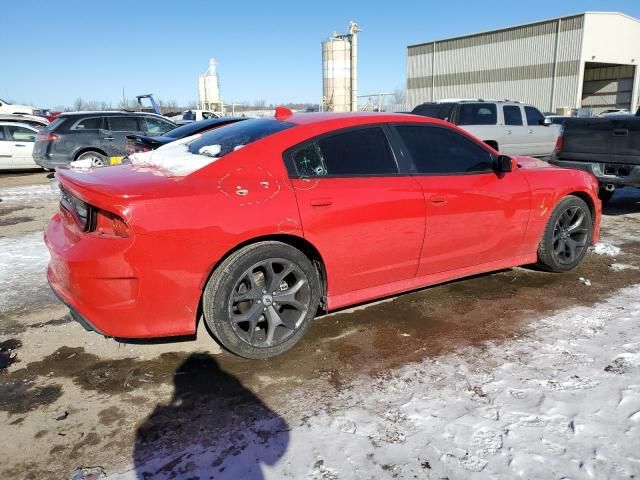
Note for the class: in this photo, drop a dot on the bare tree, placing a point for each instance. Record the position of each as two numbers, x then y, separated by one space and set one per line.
399 96
260 104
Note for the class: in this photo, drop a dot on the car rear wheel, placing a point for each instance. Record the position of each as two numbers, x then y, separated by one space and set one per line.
260 301
97 159
567 235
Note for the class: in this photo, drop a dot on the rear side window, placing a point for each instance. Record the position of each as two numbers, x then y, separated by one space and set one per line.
512 115
360 152
534 117
123 124
477 114
439 150
92 123
434 110
237 135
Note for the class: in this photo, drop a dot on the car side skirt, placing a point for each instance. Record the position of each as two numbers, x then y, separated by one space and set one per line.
389 289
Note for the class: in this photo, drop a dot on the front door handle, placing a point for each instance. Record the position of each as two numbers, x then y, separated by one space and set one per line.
508 132
620 132
19 145
108 138
530 131
321 202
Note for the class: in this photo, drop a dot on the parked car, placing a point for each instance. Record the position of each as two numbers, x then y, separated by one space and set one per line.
606 147
6 107
46 113
189 116
32 120
144 143
614 112
96 136
16 145
557 119
513 128
258 223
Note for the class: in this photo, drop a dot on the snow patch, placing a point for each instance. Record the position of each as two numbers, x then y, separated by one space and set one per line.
174 159
602 248
31 193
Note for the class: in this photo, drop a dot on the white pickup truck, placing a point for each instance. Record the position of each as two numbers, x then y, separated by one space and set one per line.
513 128
6 107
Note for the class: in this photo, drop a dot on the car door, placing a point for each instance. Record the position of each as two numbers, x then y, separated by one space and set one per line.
22 140
474 216
542 138
516 137
5 149
119 128
365 218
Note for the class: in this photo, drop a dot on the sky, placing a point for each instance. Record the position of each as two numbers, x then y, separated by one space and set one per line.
55 52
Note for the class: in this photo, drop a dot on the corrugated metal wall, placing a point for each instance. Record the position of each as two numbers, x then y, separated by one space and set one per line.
516 63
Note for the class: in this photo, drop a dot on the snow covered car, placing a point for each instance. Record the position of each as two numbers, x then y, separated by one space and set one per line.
257 224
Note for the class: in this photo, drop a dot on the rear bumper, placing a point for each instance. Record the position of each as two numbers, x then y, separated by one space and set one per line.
617 174
112 287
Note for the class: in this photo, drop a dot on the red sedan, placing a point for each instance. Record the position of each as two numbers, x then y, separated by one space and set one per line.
258 224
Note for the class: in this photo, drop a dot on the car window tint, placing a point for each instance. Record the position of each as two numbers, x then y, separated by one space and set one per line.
440 150
21 134
364 151
477 114
434 110
92 123
534 117
512 115
237 135
123 124
2 137
157 126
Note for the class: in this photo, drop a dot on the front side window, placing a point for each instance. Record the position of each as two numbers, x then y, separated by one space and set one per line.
123 124
353 153
439 150
21 134
512 115
155 126
477 114
534 117
92 123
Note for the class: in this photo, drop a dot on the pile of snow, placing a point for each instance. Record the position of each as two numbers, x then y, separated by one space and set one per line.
30 193
175 159
601 248
562 401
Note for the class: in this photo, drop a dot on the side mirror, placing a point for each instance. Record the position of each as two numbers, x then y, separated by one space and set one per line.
546 122
503 164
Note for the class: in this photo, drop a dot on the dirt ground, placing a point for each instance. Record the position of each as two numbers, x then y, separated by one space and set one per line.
70 398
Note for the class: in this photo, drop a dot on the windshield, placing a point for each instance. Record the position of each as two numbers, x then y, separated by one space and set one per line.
235 136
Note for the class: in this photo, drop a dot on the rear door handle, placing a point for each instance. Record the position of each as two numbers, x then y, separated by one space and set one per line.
620 132
439 200
530 131
321 202
19 145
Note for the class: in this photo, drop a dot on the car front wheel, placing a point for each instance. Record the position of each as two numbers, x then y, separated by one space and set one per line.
567 236
260 301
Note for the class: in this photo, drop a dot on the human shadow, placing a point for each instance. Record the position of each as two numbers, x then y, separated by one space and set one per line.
212 428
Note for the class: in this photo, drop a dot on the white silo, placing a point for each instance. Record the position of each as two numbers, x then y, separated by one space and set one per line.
209 88
340 71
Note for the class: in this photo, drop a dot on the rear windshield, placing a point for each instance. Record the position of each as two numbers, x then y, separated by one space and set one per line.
55 124
237 135
441 111
193 128
477 114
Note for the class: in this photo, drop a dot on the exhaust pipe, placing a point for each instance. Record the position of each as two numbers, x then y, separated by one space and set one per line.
610 187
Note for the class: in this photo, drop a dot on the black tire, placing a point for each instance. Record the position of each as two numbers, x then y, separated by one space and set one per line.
605 195
97 158
567 236
238 289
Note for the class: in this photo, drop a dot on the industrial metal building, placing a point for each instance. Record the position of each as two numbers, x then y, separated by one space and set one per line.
586 60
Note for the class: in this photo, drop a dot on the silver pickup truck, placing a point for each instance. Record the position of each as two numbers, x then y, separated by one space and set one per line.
513 128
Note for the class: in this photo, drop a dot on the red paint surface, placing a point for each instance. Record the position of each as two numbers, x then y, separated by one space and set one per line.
376 236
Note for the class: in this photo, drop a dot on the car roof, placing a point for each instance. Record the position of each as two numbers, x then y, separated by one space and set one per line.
308 118
107 113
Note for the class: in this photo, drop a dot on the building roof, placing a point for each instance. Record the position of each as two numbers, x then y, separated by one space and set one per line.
512 27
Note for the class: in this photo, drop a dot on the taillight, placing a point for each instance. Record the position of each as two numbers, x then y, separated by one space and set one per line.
110 224
559 141
46 137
